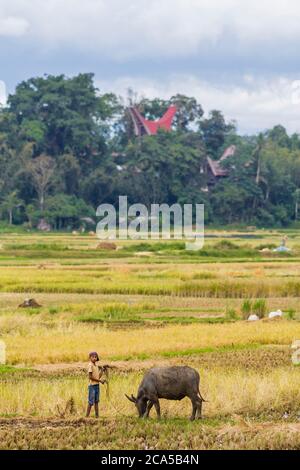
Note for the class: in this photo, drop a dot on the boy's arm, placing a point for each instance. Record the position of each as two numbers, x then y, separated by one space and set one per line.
91 377
103 381
96 380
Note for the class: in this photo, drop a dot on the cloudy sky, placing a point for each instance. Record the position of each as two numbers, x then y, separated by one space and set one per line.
240 57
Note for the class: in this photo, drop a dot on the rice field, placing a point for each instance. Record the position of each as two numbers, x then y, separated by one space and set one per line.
147 304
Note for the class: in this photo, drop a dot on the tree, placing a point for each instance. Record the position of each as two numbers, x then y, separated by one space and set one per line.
153 109
279 136
65 148
163 168
9 204
42 169
257 157
63 210
61 115
189 111
215 130
228 202
68 174
297 202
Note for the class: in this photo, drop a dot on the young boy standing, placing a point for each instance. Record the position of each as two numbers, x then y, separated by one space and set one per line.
95 374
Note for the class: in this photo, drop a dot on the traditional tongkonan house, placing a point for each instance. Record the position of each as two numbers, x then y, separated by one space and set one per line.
144 126
215 169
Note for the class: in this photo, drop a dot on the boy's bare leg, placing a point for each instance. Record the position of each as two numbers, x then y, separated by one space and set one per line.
88 411
97 410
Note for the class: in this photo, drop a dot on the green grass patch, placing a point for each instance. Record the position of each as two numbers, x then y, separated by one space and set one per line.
189 352
154 247
190 320
7 370
198 351
36 246
113 313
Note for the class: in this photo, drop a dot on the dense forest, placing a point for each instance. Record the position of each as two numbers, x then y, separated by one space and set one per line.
65 148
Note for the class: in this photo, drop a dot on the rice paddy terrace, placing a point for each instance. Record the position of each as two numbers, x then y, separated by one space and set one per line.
142 304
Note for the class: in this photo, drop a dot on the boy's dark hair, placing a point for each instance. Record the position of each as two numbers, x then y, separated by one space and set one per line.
94 353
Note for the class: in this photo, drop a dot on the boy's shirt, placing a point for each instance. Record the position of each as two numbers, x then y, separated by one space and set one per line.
96 373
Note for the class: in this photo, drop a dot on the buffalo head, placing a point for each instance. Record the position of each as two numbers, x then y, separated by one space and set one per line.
140 403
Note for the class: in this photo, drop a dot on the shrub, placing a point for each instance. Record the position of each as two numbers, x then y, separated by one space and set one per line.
291 314
226 245
231 314
246 308
155 247
53 310
220 251
118 312
259 308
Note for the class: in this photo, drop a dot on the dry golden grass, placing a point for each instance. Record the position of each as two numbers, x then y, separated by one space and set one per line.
121 433
79 303
217 280
32 342
253 392
247 393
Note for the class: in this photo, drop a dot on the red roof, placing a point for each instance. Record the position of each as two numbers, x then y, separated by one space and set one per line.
145 126
215 165
216 168
229 152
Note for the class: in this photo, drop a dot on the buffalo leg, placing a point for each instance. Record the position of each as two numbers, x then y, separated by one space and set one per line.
157 408
149 407
199 408
195 407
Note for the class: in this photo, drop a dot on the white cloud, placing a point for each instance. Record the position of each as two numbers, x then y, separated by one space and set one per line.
13 26
227 34
3 95
151 28
255 107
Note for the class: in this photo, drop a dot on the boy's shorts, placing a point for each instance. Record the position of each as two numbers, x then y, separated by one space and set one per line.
94 394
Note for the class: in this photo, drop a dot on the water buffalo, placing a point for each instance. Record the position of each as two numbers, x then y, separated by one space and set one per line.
170 383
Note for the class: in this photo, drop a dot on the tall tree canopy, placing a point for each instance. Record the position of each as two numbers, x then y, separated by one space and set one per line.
65 148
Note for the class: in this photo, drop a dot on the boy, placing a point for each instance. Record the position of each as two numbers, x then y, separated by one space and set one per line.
95 374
